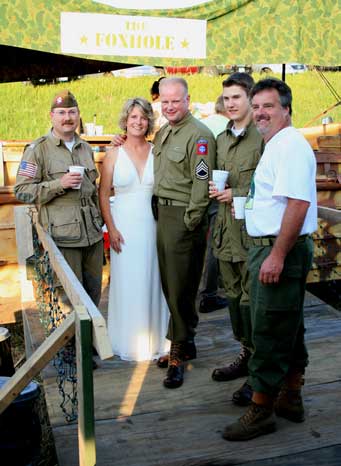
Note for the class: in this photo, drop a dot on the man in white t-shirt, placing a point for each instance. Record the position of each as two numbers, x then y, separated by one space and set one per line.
280 213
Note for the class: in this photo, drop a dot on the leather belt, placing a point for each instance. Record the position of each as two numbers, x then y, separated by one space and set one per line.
172 202
270 240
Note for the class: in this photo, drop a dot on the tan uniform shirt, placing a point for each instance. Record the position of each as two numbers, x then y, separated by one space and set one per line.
184 155
71 216
239 155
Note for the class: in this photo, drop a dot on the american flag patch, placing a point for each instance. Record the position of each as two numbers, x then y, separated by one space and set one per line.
28 169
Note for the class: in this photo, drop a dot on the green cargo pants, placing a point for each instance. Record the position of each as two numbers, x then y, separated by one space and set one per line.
277 318
87 265
235 277
181 257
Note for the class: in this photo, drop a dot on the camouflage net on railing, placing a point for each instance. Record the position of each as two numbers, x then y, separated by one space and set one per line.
51 316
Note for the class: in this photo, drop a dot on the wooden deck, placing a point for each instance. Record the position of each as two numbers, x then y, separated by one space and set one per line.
141 423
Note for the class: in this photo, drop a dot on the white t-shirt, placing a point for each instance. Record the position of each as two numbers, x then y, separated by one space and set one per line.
287 169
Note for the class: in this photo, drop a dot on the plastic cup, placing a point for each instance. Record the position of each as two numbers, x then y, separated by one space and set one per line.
99 130
90 129
77 169
219 178
239 207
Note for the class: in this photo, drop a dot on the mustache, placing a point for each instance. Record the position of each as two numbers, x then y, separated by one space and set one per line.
68 122
262 117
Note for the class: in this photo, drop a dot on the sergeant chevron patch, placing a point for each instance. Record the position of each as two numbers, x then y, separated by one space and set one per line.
201 170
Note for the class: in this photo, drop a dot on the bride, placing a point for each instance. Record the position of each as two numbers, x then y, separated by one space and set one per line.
137 313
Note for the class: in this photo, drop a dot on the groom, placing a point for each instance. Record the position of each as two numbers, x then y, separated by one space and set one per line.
184 155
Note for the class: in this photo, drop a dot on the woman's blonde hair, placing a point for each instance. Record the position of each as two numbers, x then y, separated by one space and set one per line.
146 109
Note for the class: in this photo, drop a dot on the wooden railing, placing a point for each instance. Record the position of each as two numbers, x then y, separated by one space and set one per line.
86 322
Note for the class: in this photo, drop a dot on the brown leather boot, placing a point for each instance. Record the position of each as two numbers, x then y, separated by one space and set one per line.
175 371
289 403
190 352
235 370
258 420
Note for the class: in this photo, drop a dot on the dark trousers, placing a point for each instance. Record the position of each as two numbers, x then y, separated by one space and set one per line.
210 275
277 318
87 265
181 255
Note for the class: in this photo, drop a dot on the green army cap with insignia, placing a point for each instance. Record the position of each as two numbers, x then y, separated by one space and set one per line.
64 99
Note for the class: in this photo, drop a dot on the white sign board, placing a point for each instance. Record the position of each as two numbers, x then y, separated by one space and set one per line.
140 36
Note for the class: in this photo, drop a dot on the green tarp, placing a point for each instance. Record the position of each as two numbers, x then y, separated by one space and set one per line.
237 31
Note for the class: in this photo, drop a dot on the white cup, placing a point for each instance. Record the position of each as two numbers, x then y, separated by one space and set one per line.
90 129
77 169
99 130
239 207
219 178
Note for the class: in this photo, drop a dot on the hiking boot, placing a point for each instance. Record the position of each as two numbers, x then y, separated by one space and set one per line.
243 396
289 403
235 370
189 352
258 420
175 372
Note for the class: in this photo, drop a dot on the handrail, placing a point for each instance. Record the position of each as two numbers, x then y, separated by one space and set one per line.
86 321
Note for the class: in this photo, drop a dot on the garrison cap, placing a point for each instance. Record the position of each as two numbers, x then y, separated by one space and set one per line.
64 99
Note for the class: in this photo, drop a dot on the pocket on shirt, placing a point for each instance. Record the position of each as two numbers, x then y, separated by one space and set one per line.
66 227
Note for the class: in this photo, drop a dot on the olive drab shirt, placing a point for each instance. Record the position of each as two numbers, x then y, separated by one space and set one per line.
184 155
238 155
70 216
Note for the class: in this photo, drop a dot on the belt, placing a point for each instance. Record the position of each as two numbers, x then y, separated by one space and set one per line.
270 240
172 202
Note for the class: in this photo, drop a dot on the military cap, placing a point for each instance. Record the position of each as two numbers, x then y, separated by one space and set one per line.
64 99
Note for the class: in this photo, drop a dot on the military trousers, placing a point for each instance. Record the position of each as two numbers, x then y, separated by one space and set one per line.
277 318
181 256
87 264
235 277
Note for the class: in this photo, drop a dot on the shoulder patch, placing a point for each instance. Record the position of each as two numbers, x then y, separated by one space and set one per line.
201 170
27 169
202 146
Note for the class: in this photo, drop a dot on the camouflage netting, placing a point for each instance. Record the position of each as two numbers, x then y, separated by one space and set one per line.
238 31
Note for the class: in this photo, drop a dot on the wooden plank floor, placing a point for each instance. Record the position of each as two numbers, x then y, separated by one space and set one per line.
141 423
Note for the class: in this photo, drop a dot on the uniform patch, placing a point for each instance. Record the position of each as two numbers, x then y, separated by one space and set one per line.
201 170
28 169
202 146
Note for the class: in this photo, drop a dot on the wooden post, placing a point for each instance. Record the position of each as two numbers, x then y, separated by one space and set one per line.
86 423
2 168
23 231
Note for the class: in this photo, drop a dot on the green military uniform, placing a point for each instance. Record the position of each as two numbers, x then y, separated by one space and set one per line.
70 216
239 155
184 155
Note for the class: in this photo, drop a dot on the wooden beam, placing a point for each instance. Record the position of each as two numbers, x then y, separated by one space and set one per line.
76 294
23 232
2 168
85 389
332 216
37 361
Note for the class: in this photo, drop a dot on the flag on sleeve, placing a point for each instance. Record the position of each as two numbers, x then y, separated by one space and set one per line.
28 169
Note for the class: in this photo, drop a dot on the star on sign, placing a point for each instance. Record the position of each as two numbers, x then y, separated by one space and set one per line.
84 40
185 44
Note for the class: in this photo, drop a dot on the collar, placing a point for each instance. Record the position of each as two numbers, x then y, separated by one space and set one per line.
175 128
243 133
58 141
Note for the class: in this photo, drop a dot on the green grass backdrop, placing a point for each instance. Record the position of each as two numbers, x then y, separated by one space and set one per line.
25 108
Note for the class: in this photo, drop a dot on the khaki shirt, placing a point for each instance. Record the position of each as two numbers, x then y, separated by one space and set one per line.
184 155
239 155
70 216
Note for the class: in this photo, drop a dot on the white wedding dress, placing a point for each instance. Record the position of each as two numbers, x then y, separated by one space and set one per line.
138 314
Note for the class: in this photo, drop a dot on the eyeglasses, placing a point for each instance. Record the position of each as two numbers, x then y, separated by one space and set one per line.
63 113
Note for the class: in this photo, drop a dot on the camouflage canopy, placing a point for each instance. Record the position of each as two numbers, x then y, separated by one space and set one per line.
160 32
